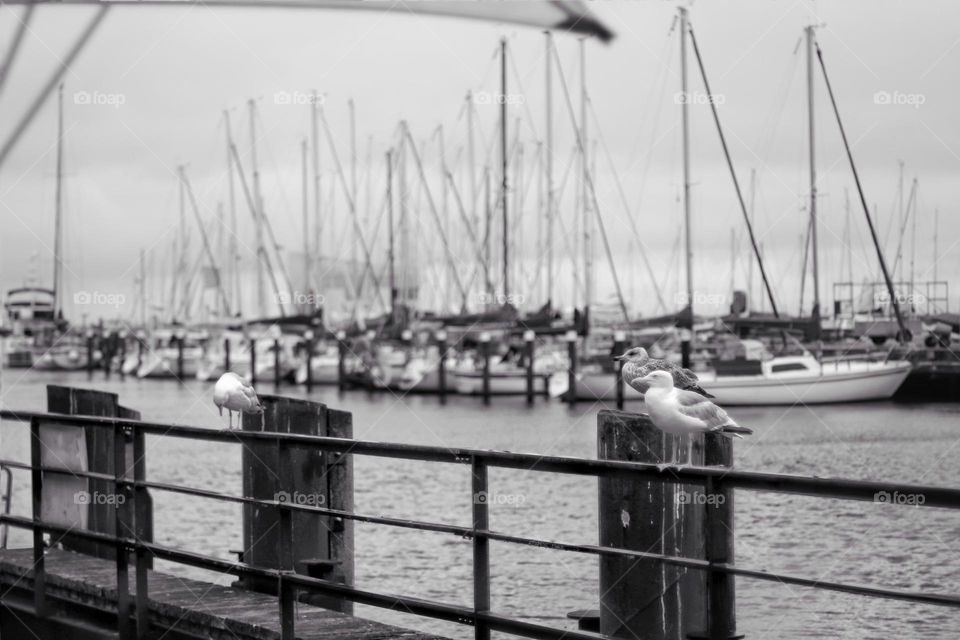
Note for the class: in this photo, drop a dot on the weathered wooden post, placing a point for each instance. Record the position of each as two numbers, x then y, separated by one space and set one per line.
485 356
226 354
180 340
649 599
141 344
322 545
528 338
276 363
253 358
441 336
571 338
308 345
123 353
90 362
619 346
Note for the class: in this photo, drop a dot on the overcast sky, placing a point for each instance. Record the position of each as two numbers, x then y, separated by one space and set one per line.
893 66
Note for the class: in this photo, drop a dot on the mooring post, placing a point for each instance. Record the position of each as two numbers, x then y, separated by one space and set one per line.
90 363
123 524
485 355
123 353
36 495
180 340
341 360
645 598
308 345
441 337
619 346
322 546
141 344
226 354
571 338
528 340
276 363
253 359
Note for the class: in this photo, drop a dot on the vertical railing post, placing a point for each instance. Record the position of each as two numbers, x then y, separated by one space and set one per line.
121 528
485 356
719 541
528 338
481 547
141 517
36 486
285 491
442 365
619 346
571 338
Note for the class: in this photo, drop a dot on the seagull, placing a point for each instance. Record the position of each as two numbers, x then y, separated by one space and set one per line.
234 393
638 363
683 412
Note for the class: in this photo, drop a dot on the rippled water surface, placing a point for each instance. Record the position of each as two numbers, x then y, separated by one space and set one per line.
863 543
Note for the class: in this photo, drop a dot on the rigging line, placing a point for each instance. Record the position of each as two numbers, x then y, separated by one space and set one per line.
626 207
733 173
908 211
207 249
863 200
588 179
667 56
14 48
52 82
531 122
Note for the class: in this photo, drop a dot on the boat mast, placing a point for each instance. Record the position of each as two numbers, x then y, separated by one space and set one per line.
549 158
58 216
504 168
317 193
391 256
232 199
353 185
306 214
258 206
143 292
685 119
815 253
585 191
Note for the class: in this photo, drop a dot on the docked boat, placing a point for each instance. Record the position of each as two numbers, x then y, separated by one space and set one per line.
324 367
162 360
506 377
30 318
802 379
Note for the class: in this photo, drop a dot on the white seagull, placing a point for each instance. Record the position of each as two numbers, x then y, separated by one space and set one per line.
236 394
682 412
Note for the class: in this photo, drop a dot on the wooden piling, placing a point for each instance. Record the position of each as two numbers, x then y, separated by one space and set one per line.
619 346
341 360
308 345
226 354
90 363
644 598
485 356
441 336
528 340
276 363
571 338
141 344
253 360
322 546
180 341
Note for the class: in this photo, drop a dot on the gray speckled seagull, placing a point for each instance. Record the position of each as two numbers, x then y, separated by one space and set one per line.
686 413
236 394
637 363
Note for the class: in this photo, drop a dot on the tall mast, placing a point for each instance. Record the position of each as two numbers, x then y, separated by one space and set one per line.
234 262
901 214
58 216
549 158
317 193
503 167
585 192
306 215
753 201
815 253
353 183
258 205
472 164
391 255
143 292
936 258
685 119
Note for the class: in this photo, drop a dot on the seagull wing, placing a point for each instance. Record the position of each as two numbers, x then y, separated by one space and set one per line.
696 406
251 397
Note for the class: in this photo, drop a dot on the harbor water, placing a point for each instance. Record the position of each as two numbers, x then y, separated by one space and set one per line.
880 544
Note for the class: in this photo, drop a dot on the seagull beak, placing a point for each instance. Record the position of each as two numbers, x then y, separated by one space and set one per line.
617 358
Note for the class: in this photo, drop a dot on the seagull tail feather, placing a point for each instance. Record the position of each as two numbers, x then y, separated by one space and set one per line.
736 430
698 389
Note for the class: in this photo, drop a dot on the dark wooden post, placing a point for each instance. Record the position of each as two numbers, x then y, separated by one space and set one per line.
226 354
322 546
619 346
644 598
485 356
276 363
442 365
141 344
308 346
180 340
571 338
341 360
528 340
123 353
253 359
90 363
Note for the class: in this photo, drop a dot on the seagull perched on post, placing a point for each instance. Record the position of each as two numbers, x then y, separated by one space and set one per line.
236 394
682 412
637 363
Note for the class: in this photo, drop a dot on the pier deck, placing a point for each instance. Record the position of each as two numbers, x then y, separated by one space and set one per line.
84 588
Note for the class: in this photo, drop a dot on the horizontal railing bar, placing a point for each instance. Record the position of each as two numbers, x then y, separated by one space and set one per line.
836 488
240 569
90 475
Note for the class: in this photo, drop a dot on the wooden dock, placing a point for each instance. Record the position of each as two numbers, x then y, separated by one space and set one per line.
85 588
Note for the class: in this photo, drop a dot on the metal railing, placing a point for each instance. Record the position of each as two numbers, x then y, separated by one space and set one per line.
129 525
